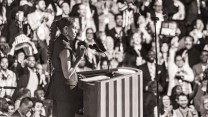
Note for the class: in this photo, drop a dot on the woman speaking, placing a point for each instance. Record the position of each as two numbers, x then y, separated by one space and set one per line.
63 89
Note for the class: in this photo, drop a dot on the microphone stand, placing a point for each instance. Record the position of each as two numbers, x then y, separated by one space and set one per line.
109 73
155 19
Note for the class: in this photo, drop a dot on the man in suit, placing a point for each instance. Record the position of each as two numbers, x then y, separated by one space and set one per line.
184 108
193 51
25 106
148 70
199 73
118 33
28 77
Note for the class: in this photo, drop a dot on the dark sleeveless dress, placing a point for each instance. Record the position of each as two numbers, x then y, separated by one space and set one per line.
67 101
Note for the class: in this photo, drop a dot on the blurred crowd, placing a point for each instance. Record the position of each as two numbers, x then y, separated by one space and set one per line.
117 33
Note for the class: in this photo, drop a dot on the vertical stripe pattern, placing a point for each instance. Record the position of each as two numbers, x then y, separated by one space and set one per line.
119 97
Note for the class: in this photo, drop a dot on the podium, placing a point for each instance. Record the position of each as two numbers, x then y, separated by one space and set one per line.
118 96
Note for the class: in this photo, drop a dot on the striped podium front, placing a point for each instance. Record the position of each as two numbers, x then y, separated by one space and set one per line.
116 97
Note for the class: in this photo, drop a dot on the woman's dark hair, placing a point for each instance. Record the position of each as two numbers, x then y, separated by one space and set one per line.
119 14
162 111
57 25
178 53
21 92
3 105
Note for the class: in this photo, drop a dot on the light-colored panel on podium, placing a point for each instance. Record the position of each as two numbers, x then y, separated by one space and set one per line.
120 96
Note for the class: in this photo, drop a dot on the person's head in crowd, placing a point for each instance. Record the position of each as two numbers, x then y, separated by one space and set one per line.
40 5
119 20
151 56
11 108
158 6
179 60
152 87
104 63
199 25
39 94
166 102
114 63
82 10
3 39
4 63
31 62
89 35
205 103
23 92
204 56
19 16
39 69
26 105
20 56
136 39
189 41
109 43
141 22
182 101
65 8
165 105
37 107
3 106
164 47
68 27
177 90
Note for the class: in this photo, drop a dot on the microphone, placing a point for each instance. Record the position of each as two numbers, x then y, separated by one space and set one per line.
95 47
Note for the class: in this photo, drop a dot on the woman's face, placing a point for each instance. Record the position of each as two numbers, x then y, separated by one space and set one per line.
66 8
89 35
38 107
21 56
164 48
199 24
136 39
141 20
179 61
166 101
71 31
179 90
104 65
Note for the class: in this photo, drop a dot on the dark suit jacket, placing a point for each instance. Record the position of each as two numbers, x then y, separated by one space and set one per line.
147 77
16 114
24 78
191 10
75 9
150 101
193 55
112 33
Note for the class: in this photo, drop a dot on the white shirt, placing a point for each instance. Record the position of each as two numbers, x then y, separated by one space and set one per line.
33 82
9 82
151 67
